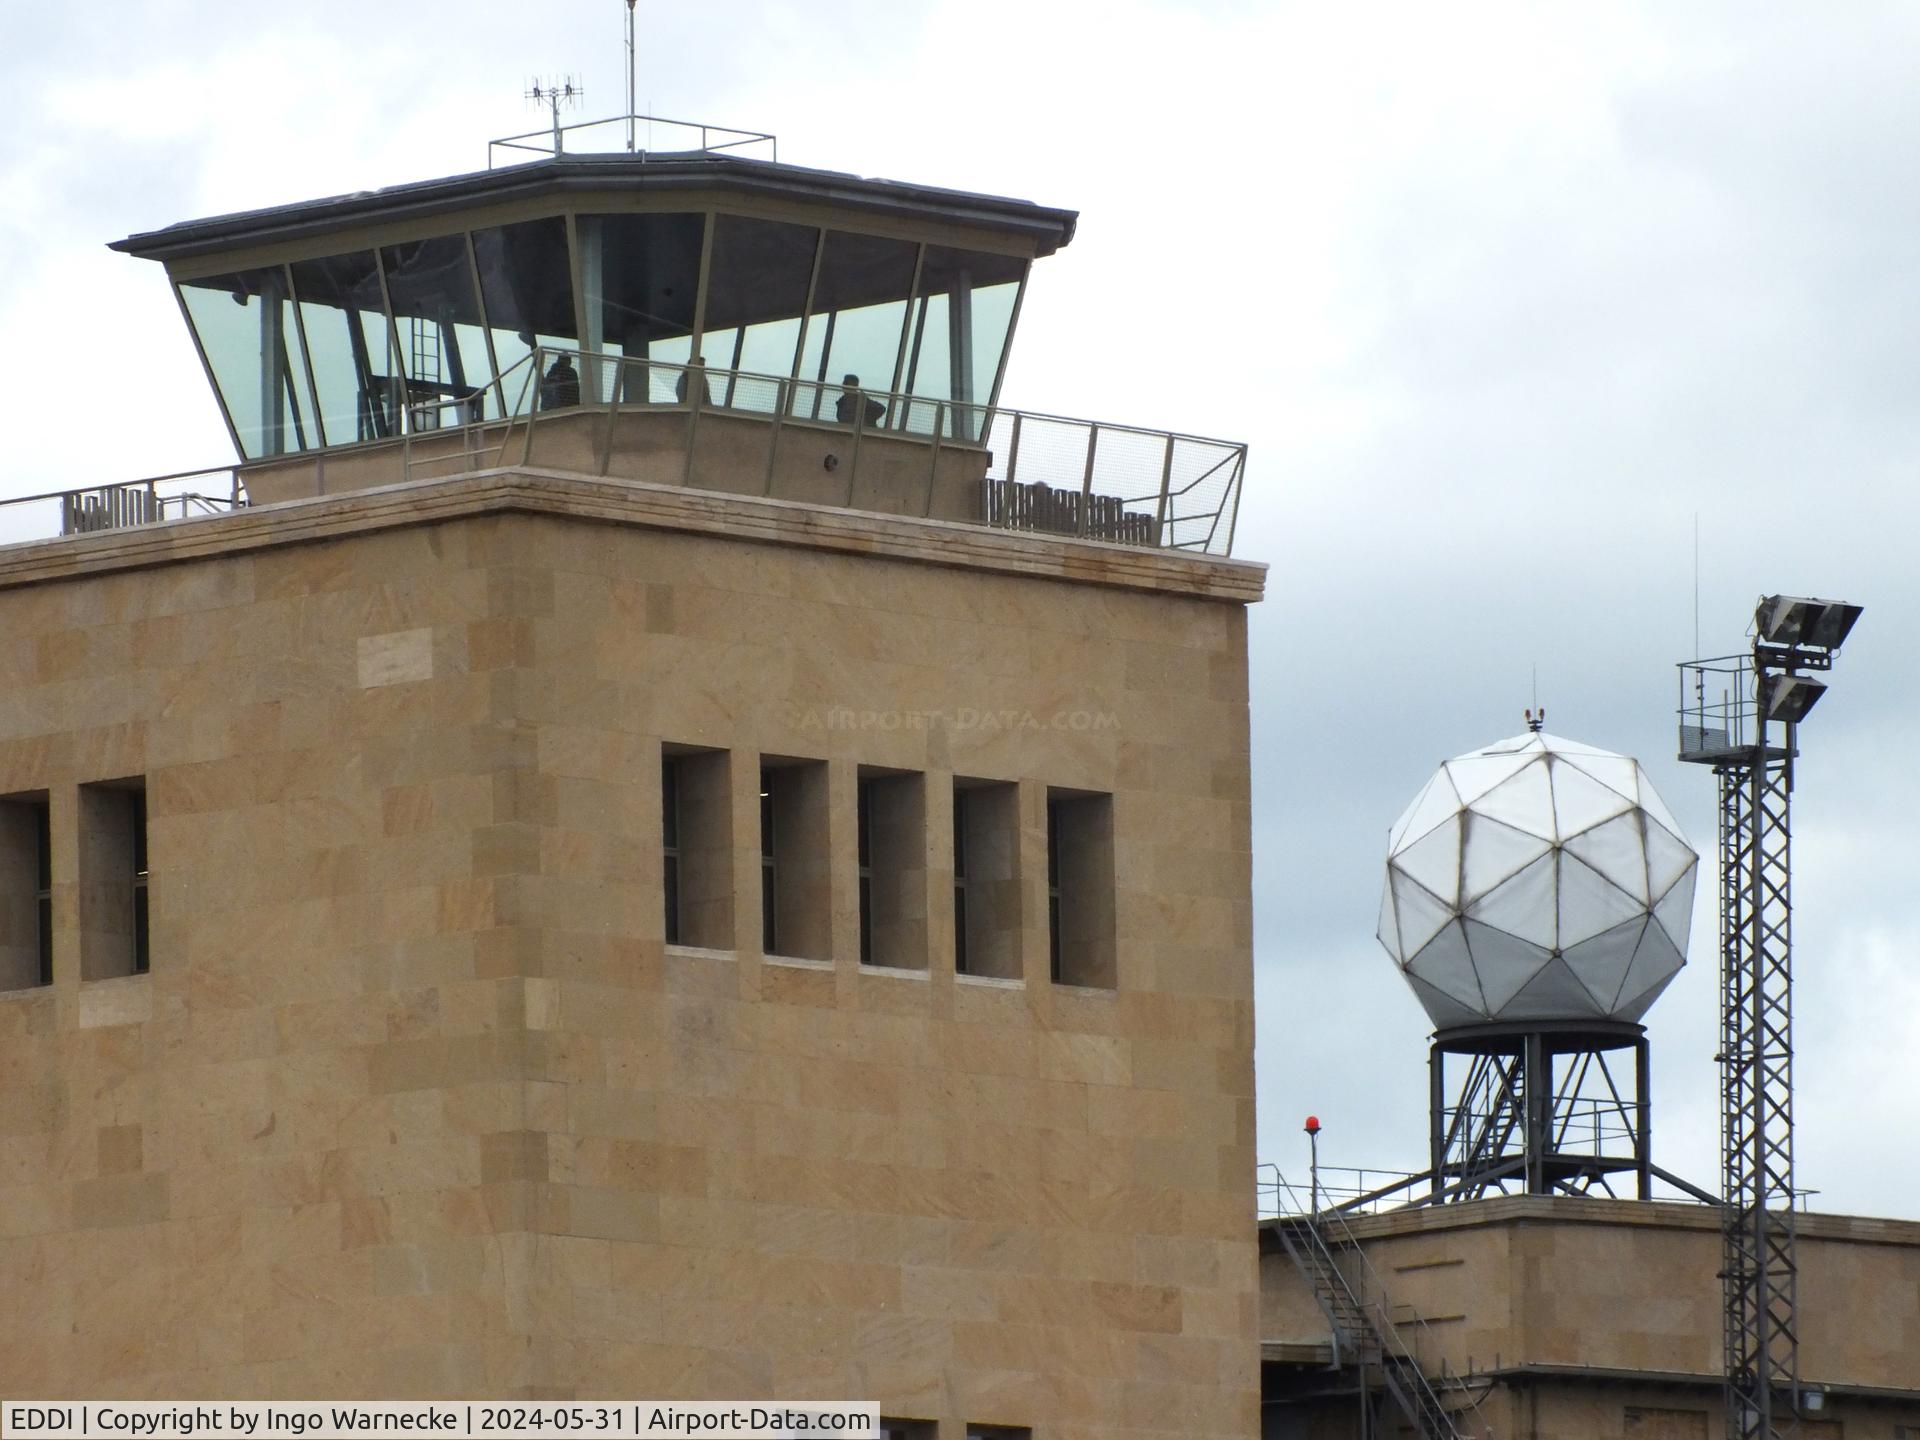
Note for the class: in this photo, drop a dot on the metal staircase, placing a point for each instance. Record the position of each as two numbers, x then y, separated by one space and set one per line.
1366 1335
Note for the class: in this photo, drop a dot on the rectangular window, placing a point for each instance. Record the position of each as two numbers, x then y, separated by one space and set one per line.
137 838
892 1429
893 869
670 845
114 881
960 881
999 1432
795 906
696 833
43 889
1080 889
26 890
864 825
986 878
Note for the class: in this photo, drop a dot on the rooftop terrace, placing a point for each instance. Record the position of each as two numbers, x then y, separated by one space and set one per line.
700 318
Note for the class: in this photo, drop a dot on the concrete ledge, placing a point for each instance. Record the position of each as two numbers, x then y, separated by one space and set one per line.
521 490
1579 1210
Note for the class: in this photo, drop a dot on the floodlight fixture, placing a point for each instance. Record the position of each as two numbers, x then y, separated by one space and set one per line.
1788 698
1801 621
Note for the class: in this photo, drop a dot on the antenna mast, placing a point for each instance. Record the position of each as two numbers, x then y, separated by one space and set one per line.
632 68
556 94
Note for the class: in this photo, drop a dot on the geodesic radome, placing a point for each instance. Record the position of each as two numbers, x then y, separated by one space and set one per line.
1537 879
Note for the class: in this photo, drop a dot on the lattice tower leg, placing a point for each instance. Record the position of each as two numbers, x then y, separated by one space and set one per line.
1756 1062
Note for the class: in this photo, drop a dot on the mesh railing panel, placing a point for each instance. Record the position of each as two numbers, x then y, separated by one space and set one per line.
1044 473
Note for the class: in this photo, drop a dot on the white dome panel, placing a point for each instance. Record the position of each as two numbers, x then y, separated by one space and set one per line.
1495 853
1617 850
1655 964
1474 775
1504 963
1523 800
1446 1011
1580 802
1520 884
1388 930
1434 860
1432 805
1524 905
1667 859
1658 812
1674 910
1420 915
1552 994
1448 968
1601 963
1589 902
1616 772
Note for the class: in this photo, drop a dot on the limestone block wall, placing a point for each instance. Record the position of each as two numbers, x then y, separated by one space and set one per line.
417 1101
1568 1300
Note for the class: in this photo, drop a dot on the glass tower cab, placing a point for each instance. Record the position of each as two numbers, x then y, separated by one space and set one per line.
699 319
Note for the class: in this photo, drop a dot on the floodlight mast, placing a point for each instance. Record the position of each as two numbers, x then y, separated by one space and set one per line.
1759 1272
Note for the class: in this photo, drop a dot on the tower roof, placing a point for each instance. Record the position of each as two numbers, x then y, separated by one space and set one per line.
1045 227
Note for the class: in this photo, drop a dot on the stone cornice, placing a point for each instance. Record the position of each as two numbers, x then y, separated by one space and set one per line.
1515 1210
523 490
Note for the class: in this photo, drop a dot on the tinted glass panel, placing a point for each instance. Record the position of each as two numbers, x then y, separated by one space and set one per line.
859 312
526 281
641 275
756 298
246 326
351 347
961 321
443 340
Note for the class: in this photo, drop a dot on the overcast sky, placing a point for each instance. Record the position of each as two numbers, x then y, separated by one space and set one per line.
1503 297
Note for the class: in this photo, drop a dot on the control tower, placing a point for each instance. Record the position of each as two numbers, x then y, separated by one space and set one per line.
648 838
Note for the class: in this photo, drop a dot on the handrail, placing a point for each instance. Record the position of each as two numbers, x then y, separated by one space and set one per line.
1371 1301
1037 472
1185 511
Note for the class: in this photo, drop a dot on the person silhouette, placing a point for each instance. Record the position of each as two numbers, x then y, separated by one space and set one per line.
849 404
684 385
560 388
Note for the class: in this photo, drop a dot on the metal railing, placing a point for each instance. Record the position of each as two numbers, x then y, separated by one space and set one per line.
1718 706
649 134
157 500
1353 1189
1091 479
1354 1296
991 466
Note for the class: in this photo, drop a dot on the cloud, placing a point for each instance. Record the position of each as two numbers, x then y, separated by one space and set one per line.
1502 297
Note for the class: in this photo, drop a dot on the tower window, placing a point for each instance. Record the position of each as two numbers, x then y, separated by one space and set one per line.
960 881
1080 889
986 878
670 845
696 844
26 895
115 880
892 843
795 906
43 889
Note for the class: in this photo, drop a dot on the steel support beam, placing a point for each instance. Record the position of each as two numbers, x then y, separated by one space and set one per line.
1758 1271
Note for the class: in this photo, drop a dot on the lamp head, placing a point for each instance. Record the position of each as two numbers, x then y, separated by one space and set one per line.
1801 620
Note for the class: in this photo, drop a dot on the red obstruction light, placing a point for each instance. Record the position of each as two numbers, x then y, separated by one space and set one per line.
1313 1124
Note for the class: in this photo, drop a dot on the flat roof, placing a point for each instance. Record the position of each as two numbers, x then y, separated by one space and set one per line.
1049 228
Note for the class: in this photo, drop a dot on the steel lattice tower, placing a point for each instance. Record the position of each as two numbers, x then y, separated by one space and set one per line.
1756 1092
1730 731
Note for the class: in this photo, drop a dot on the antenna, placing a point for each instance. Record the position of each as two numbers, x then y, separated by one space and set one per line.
632 68
556 95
